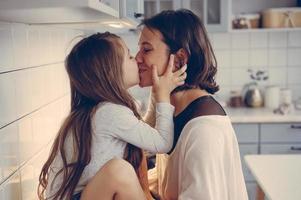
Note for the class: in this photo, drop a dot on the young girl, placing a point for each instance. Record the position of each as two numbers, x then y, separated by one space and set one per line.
99 145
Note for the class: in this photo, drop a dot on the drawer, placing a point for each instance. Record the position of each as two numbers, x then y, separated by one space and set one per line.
280 149
247 149
281 133
247 133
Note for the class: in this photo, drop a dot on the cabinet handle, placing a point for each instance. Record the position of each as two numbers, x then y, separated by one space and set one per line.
295 127
296 148
138 15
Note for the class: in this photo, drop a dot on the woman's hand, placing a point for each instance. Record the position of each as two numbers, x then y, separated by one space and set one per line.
165 84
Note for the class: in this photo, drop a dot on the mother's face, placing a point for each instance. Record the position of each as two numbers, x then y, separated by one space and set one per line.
152 51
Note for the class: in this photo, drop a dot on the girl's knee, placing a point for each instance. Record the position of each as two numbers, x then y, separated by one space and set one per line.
119 169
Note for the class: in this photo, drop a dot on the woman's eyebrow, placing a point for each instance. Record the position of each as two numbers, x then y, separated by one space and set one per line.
146 43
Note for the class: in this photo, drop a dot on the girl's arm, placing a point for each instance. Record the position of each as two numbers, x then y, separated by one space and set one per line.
150 115
120 122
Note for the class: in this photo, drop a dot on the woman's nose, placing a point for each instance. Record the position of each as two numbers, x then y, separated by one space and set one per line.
138 57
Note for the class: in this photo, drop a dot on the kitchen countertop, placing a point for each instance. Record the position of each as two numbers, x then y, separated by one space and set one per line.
278 175
261 115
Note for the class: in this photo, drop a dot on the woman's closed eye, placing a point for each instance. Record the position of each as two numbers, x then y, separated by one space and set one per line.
146 50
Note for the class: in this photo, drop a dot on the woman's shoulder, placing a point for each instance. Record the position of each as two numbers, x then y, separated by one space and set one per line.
206 128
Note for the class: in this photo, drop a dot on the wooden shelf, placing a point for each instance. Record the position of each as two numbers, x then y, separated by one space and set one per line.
264 30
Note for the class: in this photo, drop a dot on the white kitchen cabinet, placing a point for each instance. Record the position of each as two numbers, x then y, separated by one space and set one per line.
58 11
266 138
214 13
294 148
247 133
252 190
281 133
77 14
132 10
248 139
153 7
247 149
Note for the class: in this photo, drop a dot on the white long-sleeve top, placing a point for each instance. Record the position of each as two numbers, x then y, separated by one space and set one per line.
115 126
205 164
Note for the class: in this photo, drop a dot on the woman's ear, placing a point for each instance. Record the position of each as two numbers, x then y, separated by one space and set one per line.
181 58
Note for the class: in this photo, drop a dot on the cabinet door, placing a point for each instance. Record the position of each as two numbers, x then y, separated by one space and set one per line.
129 8
246 149
252 190
214 13
280 149
153 7
112 3
281 133
247 133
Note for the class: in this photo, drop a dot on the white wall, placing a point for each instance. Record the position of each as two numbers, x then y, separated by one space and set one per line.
34 98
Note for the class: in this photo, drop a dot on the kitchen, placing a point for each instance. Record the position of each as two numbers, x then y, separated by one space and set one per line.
258 55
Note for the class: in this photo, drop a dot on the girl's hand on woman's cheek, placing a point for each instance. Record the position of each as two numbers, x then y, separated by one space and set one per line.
163 85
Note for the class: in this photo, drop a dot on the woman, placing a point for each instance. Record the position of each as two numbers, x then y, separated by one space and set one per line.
97 153
204 163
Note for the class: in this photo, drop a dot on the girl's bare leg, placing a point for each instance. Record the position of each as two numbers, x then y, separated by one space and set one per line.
116 180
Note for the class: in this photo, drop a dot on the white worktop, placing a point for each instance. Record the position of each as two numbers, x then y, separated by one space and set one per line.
261 115
278 175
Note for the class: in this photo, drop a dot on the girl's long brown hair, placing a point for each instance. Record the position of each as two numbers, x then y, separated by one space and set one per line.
94 66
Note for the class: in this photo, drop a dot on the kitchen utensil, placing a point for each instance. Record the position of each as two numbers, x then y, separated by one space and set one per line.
252 95
272 97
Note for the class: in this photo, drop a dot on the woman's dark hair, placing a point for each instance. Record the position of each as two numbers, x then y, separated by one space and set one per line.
94 67
183 29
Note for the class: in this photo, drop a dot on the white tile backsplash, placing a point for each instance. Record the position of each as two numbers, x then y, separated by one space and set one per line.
278 76
277 39
294 39
277 57
294 75
35 50
20 46
277 52
6 50
34 100
223 58
293 57
9 151
24 86
259 40
239 77
240 58
8 108
258 57
296 91
240 41
11 189
224 77
221 41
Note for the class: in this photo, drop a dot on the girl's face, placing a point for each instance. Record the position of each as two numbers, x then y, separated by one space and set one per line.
152 51
130 68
